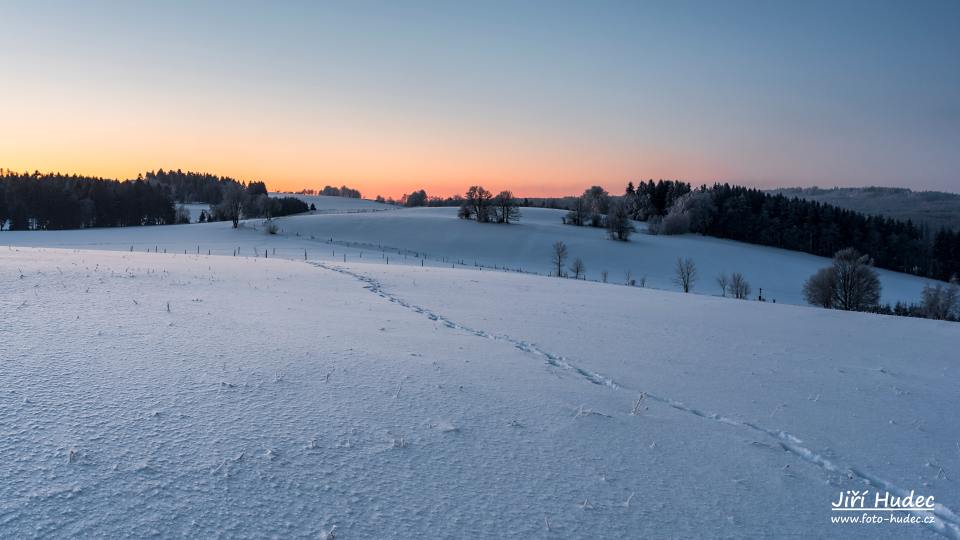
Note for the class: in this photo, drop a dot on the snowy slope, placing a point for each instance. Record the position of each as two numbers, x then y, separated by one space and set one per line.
527 245
437 235
326 204
323 204
204 396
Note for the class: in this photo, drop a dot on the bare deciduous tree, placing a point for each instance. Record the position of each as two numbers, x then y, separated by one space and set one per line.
723 281
857 285
578 268
685 273
479 201
559 257
850 283
739 287
505 207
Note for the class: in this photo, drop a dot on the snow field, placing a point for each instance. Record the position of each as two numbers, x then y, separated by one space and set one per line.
285 398
435 237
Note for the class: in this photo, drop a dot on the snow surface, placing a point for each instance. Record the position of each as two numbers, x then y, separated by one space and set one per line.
324 205
327 204
434 236
194 209
151 394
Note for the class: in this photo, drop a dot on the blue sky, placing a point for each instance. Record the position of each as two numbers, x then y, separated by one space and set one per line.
541 97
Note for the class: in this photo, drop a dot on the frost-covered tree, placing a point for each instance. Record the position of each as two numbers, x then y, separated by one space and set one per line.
559 257
692 211
940 302
578 213
231 207
182 215
818 289
619 225
641 207
676 222
685 273
654 224
597 202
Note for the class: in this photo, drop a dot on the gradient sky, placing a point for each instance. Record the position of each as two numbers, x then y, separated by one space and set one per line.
544 98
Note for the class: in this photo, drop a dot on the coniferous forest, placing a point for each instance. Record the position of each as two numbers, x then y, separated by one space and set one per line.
757 217
191 187
49 201
56 201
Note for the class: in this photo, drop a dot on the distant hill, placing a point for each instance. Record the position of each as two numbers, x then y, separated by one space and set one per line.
935 208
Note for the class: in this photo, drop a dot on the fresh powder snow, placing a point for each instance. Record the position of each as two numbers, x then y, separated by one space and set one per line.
299 385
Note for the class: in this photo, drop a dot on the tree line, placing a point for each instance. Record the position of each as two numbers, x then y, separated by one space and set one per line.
253 201
36 201
332 191
485 207
753 216
420 198
342 191
49 201
190 187
595 208
850 283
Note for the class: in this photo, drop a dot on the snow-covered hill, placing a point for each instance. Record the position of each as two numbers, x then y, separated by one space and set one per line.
322 203
210 396
327 204
434 236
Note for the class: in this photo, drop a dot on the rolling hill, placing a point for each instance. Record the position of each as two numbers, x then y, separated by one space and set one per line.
935 208
434 236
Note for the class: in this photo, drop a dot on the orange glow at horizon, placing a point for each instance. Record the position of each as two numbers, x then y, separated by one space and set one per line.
371 181
112 145
293 148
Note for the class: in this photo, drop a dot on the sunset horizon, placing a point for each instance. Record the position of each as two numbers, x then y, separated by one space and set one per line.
541 99
496 270
522 188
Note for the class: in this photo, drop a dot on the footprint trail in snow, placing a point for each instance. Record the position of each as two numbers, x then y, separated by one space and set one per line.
947 524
